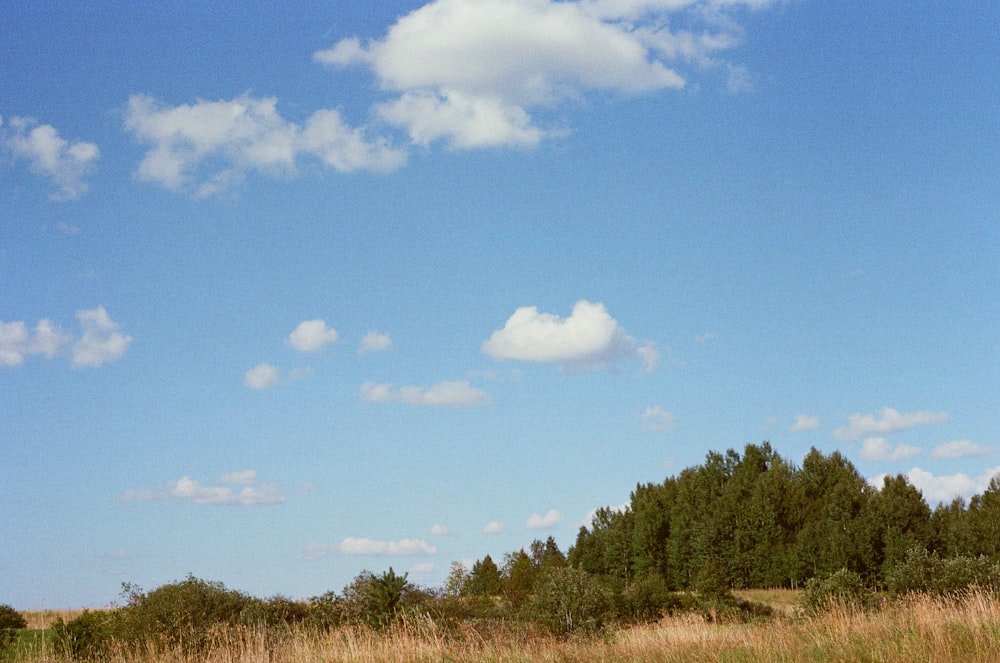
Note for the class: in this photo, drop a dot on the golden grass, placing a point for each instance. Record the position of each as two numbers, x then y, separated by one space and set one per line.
918 630
40 619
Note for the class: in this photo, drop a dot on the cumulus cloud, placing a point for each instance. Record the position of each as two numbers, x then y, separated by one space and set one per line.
66 163
374 341
655 418
209 146
100 341
588 338
878 448
312 336
889 421
262 376
188 490
804 422
548 521
371 547
442 394
959 449
945 488
476 74
494 527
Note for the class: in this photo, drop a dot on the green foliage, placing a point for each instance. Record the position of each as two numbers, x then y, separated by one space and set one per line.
569 600
85 637
485 579
10 621
921 571
842 589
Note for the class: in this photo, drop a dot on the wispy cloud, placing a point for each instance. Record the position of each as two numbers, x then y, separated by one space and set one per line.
888 421
66 163
804 422
959 449
878 448
189 490
100 341
537 521
494 527
655 418
208 147
362 546
442 394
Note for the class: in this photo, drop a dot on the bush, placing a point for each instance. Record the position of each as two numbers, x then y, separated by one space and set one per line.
925 572
843 589
569 600
10 621
85 637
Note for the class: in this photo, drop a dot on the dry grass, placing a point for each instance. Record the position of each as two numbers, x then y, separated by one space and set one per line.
920 630
41 619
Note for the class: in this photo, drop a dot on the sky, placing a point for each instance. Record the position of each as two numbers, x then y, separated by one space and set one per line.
292 291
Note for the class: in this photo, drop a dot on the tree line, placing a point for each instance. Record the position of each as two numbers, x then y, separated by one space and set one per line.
756 520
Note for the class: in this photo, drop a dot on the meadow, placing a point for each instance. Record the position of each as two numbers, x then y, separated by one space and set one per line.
915 629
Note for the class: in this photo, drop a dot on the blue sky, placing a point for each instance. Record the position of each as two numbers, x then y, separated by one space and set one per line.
291 293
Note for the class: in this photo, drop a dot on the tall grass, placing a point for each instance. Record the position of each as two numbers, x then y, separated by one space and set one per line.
914 630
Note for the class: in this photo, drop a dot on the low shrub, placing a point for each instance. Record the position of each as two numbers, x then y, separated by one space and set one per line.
85 637
843 589
924 572
10 622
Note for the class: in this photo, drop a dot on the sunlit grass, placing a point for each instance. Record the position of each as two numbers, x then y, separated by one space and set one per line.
916 630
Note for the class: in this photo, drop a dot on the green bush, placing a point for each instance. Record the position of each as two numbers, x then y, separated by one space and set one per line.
569 600
924 572
843 589
86 637
10 621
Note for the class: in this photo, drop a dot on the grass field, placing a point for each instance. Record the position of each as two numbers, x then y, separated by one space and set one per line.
919 630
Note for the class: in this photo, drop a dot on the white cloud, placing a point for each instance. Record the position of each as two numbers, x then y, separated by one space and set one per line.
878 448
889 421
588 338
188 490
804 422
262 376
371 547
374 341
209 146
102 342
548 521
959 449
442 394
494 527
475 73
650 356
655 418
49 155
311 336
439 530
947 487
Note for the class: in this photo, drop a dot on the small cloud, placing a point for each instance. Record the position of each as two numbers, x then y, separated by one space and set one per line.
878 448
102 342
374 341
442 394
959 449
494 527
548 521
649 355
588 338
439 530
188 490
804 422
262 376
312 336
889 421
355 546
655 418
49 155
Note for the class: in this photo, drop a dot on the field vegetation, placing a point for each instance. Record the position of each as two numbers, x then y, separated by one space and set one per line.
677 576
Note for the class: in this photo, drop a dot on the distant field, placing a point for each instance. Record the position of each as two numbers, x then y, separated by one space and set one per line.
42 619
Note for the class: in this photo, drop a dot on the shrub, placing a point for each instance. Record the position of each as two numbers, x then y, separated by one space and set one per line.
569 600
921 571
10 621
85 637
841 589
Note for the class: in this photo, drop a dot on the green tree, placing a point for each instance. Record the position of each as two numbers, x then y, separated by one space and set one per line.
458 578
383 596
568 600
10 622
485 579
519 574
901 522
